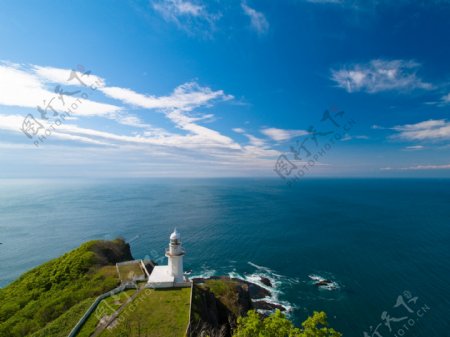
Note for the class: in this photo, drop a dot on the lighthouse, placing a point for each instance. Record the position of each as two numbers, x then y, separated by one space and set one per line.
170 275
175 255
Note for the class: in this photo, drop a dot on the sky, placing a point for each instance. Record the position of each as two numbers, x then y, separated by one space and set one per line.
196 88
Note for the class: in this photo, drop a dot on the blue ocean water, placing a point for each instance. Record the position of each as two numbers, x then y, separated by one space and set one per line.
381 241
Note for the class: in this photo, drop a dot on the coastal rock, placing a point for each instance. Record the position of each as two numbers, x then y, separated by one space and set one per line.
323 283
256 292
263 305
266 281
215 315
217 305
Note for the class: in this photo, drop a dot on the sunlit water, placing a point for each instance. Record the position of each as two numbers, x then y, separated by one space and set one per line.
375 238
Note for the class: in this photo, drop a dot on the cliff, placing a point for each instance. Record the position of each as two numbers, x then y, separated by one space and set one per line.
219 301
49 299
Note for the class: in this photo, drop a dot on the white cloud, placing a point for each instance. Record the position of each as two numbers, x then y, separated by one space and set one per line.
418 168
63 76
257 19
325 1
280 135
177 107
431 130
192 17
380 75
414 148
20 87
348 137
445 100
27 85
186 97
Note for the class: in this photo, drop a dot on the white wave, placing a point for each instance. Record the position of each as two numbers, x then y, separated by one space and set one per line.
316 278
204 273
332 285
260 267
277 281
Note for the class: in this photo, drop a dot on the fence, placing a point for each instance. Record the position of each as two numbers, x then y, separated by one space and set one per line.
94 305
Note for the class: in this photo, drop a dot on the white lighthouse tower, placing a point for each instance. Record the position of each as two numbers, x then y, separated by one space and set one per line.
175 255
170 275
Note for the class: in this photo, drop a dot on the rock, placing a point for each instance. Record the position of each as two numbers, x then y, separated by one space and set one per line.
263 305
323 283
216 316
256 292
265 281
211 317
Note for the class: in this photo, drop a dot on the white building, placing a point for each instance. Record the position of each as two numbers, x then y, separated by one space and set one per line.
172 274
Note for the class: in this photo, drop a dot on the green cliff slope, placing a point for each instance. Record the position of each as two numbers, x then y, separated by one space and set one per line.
50 299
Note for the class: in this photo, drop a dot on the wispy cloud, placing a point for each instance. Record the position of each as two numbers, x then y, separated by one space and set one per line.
178 107
348 137
190 16
192 141
414 148
431 130
186 97
445 100
280 135
253 140
21 86
257 19
380 75
326 1
417 168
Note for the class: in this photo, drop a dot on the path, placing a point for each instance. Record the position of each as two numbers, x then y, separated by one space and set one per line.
101 327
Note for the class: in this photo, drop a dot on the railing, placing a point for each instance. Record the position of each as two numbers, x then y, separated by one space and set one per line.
181 251
94 305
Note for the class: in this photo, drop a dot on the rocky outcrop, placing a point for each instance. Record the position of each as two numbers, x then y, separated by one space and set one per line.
219 301
265 281
111 252
264 305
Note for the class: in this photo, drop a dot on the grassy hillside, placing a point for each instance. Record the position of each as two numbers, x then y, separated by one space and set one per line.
49 299
154 313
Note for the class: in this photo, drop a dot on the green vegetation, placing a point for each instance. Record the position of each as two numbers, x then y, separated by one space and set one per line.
277 325
50 299
106 307
65 323
154 313
226 291
128 272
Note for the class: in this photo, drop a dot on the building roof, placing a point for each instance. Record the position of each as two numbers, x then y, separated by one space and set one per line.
175 235
161 274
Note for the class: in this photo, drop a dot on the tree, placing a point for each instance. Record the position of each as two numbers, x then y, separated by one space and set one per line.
277 325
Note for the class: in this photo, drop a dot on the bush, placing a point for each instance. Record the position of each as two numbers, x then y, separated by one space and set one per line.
277 325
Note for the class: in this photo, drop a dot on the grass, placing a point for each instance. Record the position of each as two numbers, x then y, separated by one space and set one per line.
154 313
106 307
128 272
226 292
61 326
48 298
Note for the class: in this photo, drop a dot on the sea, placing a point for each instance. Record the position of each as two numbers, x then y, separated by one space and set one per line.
384 244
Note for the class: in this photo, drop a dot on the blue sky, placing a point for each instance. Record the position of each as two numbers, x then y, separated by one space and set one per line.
191 88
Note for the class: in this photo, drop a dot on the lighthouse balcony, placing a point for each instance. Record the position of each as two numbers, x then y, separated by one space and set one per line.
178 252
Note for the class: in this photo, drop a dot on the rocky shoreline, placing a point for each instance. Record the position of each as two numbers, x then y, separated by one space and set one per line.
256 293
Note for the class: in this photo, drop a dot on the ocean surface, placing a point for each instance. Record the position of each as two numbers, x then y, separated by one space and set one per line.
385 243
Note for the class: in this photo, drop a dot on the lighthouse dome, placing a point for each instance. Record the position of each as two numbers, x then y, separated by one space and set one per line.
175 235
